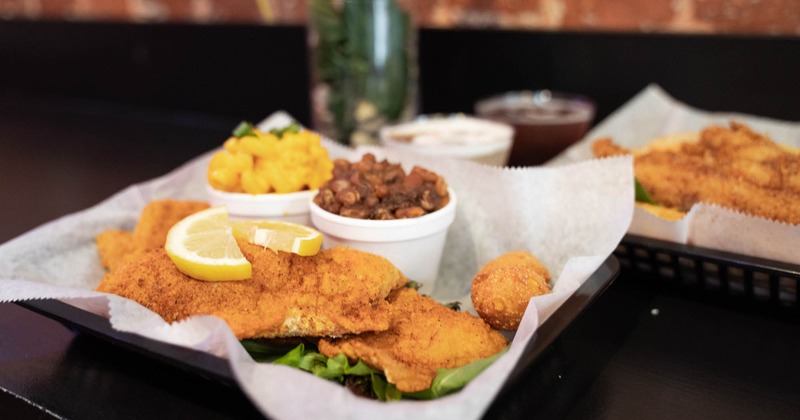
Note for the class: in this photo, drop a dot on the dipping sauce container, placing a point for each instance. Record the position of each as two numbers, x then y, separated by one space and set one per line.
458 136
545 122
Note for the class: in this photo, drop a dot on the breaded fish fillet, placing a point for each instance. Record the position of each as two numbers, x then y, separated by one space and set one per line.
424 336
118 246
338 291
115 247
733 167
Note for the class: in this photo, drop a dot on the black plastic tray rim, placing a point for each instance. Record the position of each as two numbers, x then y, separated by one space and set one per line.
769 284
213 368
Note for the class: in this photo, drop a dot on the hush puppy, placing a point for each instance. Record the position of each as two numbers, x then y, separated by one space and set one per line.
502 288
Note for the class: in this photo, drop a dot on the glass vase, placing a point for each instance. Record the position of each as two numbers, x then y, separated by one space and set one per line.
364 73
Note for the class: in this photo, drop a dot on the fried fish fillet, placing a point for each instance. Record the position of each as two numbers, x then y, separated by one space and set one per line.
733 167
335 292
116 247
423 337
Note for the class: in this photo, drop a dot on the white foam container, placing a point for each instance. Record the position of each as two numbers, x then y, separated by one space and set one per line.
413 245
459 136
289 207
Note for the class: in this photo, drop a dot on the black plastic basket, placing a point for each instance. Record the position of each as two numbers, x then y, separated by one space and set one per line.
213 368
751 281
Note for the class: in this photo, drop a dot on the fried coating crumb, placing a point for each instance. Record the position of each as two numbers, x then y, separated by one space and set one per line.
665 213
424 336
605 147
116 247
502 288
733 167
335 292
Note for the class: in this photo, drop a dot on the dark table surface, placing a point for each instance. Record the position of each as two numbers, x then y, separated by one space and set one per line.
639 351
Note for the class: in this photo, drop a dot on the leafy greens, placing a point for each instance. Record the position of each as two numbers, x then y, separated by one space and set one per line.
642 195
360 378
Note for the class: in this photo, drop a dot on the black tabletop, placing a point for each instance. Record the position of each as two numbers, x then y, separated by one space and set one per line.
639 351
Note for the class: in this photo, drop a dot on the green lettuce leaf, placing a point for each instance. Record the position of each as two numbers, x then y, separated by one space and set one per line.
364 378
642 195
262 351
448 381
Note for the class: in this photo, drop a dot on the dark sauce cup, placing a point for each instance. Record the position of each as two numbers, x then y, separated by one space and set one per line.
545 122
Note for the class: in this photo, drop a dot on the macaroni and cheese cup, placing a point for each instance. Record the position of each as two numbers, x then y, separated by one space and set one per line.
289 207
414 245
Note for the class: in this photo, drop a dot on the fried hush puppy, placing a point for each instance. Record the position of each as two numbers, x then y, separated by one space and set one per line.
423 336
502 288
116 247
335 292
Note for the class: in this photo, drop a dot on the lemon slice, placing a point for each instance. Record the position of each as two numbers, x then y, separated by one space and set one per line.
280 236
202 246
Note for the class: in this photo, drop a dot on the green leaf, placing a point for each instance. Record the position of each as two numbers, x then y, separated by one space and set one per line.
292 358
448 381
383 390
642 195
334 368
291 128
265 351
244 129
360 369
313 362
338 368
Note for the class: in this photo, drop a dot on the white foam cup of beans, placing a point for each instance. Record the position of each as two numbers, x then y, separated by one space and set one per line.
414 245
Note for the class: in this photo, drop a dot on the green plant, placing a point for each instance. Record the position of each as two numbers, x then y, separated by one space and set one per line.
363 55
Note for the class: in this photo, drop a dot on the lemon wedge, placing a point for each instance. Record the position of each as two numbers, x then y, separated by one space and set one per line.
280 236
202 246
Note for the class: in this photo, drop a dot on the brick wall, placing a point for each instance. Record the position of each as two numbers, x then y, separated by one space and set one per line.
763 17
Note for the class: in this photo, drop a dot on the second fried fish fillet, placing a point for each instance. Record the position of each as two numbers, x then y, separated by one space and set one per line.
335 292
730 166
116 247
424 336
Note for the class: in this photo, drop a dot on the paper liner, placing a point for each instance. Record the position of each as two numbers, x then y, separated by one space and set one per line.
652 114
571 217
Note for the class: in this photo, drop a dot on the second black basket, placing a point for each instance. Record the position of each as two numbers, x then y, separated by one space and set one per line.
772 285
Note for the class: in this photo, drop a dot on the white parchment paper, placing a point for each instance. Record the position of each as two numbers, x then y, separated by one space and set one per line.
654 113
572 217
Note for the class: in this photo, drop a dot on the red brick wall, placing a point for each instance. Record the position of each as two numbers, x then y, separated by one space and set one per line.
767 17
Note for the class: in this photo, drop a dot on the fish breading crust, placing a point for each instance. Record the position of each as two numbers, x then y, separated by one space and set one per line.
116 247
503 287
733 167
424 336
335 292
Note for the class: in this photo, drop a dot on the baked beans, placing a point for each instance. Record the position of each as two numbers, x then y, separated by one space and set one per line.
369 189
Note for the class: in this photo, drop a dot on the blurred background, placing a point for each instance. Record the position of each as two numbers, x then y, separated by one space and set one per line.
771 17
163 81
246 58
97 95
